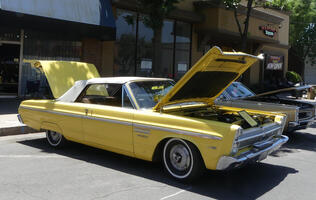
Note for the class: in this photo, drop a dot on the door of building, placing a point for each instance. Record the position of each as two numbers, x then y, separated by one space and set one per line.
9 68
273 71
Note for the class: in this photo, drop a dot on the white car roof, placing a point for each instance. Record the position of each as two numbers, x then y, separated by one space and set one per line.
121 80
72 94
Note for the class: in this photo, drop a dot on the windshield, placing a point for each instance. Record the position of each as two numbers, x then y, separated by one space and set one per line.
238 90
149 93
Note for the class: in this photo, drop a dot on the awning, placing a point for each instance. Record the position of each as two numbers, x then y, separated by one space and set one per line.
77 13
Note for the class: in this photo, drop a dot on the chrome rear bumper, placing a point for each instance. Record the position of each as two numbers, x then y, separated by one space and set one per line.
20 119
254 155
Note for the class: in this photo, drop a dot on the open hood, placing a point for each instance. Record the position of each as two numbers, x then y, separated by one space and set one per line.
62 75
209 77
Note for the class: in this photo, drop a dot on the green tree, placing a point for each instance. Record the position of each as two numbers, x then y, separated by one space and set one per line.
242 23
155 12
303 29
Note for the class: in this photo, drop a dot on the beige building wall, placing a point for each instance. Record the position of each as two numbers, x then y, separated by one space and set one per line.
284 27
107 60
186 5
195 53
227 22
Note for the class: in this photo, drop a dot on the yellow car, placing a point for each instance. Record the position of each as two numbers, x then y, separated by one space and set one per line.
156 120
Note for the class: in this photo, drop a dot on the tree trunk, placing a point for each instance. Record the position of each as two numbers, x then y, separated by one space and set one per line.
244 36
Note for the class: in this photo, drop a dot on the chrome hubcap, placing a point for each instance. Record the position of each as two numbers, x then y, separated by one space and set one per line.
180 157
55 136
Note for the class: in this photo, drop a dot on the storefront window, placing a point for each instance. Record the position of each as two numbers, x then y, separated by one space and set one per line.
167 49
144 49
124 61
168 57
43 46
9 60
182 51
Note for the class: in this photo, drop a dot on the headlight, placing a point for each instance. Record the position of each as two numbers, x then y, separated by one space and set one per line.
235 143
281 120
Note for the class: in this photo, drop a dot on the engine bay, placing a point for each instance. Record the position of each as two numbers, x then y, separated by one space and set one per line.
225 116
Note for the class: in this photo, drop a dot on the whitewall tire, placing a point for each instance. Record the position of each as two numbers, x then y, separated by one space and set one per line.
182 160
55 139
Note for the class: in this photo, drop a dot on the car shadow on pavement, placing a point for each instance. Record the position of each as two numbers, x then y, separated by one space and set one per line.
299 140
249 182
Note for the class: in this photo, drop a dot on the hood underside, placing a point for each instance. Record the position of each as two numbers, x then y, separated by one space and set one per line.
209 77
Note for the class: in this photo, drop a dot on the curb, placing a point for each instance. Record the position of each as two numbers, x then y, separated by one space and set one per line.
18 130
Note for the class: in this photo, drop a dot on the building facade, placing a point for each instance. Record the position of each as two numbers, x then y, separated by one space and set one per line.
119 43
73 30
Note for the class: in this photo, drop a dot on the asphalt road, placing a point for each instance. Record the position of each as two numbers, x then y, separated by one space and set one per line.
30 169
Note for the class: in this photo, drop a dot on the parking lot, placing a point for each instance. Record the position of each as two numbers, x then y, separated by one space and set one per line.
30 169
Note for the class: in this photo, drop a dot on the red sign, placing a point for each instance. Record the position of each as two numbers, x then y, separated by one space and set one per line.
268 31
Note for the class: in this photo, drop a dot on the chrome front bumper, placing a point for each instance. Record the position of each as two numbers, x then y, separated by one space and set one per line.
302 124
254 155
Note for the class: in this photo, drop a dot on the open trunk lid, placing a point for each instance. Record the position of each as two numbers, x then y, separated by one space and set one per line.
62 75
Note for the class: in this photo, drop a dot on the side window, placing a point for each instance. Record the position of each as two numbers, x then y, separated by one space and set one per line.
102 94
126 101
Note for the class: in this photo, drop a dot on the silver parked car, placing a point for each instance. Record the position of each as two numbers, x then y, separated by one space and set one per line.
300 114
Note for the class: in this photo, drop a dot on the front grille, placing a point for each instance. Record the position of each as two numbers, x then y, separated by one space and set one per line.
256 135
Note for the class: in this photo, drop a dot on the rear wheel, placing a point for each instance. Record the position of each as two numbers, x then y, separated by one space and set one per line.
182 160
55 139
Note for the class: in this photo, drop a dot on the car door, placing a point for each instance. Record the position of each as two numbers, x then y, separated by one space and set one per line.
68 117
107 123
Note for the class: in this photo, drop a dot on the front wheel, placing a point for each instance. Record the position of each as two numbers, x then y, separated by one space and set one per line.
55 139
182 160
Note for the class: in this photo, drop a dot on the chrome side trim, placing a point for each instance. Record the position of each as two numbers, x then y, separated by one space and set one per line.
139 126
53 112
177 131
141 131
81 116
108 120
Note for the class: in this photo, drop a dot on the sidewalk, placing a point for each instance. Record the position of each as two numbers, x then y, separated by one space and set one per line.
9 123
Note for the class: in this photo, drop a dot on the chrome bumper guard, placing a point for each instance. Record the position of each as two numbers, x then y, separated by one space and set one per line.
254 155
20 119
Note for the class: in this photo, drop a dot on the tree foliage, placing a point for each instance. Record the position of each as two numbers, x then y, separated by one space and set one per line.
303 28
156 11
